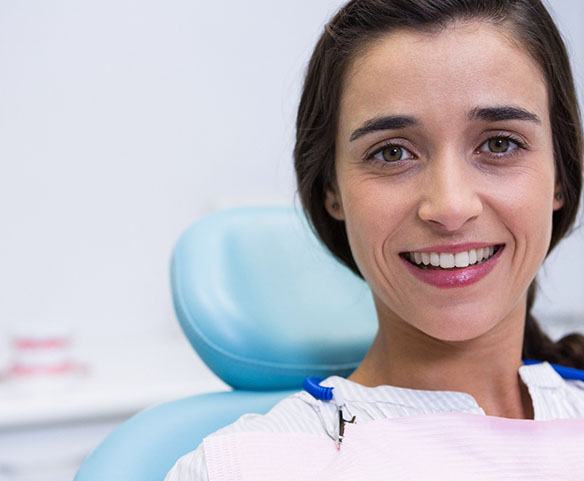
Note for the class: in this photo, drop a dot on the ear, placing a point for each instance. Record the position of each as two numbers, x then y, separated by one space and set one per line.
334 205
558 198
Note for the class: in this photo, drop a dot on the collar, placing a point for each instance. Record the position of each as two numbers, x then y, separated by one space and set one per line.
540 375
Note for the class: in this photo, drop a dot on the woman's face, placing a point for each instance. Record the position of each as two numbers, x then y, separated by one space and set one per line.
444 139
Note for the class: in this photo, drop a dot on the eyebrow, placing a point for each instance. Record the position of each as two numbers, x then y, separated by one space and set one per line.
503 112
388 122
491 114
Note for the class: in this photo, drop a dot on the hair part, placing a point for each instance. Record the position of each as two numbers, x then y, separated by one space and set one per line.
351 31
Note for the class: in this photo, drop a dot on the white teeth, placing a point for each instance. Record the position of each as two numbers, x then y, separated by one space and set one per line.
449 260
435 259
446 260
425 258
461 259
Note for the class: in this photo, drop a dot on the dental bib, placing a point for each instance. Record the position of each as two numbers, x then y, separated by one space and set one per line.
437 447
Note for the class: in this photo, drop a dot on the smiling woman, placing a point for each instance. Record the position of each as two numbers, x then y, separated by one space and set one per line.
457 123
439 156
462 173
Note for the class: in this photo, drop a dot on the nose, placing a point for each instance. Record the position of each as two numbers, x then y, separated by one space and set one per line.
450 197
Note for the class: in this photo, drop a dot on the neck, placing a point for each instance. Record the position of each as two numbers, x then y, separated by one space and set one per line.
485 367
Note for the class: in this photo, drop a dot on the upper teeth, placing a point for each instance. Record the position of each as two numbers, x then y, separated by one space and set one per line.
449 260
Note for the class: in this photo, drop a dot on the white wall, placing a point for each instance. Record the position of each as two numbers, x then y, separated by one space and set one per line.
123 121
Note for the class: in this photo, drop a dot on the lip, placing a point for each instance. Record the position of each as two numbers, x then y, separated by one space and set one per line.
455 248
456 277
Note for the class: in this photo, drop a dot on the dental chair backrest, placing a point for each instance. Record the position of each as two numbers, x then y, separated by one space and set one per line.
264 305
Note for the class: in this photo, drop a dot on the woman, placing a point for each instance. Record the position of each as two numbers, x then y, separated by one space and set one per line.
439 156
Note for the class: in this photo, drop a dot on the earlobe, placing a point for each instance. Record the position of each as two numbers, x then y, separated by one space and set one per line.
558 200
334 206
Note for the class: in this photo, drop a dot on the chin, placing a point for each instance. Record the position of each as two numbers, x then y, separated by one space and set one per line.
454 330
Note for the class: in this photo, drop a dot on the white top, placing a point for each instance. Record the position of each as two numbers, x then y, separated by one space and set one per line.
552 396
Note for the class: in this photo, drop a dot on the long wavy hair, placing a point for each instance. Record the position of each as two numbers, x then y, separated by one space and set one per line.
351 31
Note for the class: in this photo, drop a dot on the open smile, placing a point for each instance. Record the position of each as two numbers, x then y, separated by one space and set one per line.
448 270
449 260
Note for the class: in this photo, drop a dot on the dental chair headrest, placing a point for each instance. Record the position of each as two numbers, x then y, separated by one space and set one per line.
262 302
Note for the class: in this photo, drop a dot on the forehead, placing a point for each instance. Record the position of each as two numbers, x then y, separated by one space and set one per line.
442 75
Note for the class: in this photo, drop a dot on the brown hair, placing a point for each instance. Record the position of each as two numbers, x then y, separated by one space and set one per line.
351 31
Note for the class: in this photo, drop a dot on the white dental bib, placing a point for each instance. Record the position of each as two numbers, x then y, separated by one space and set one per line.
437 447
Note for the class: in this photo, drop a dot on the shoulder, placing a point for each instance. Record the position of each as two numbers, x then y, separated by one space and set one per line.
298 412
572 399
576 389
190 467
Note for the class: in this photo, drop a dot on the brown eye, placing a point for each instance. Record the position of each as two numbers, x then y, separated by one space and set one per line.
389 154
499 145
392 153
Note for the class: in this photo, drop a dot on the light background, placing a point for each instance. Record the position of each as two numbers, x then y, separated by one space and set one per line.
121 122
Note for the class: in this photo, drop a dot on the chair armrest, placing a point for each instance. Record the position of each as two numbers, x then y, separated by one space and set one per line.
147 445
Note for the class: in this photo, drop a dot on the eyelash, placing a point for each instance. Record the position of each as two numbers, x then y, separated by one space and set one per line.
511 138
520 145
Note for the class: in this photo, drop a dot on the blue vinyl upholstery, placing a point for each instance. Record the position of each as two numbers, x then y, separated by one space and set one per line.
264 305
146 446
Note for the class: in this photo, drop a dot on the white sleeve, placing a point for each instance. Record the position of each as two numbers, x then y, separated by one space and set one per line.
578 384
190 467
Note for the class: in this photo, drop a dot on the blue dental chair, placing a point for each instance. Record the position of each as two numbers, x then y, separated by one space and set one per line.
264 305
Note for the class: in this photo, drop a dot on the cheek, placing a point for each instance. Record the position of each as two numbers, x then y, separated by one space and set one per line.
374 214
528 209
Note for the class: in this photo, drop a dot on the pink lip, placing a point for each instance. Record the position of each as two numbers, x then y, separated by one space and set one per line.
454 248
457 277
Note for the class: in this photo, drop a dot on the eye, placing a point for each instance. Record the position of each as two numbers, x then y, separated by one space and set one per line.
501 146
390 153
